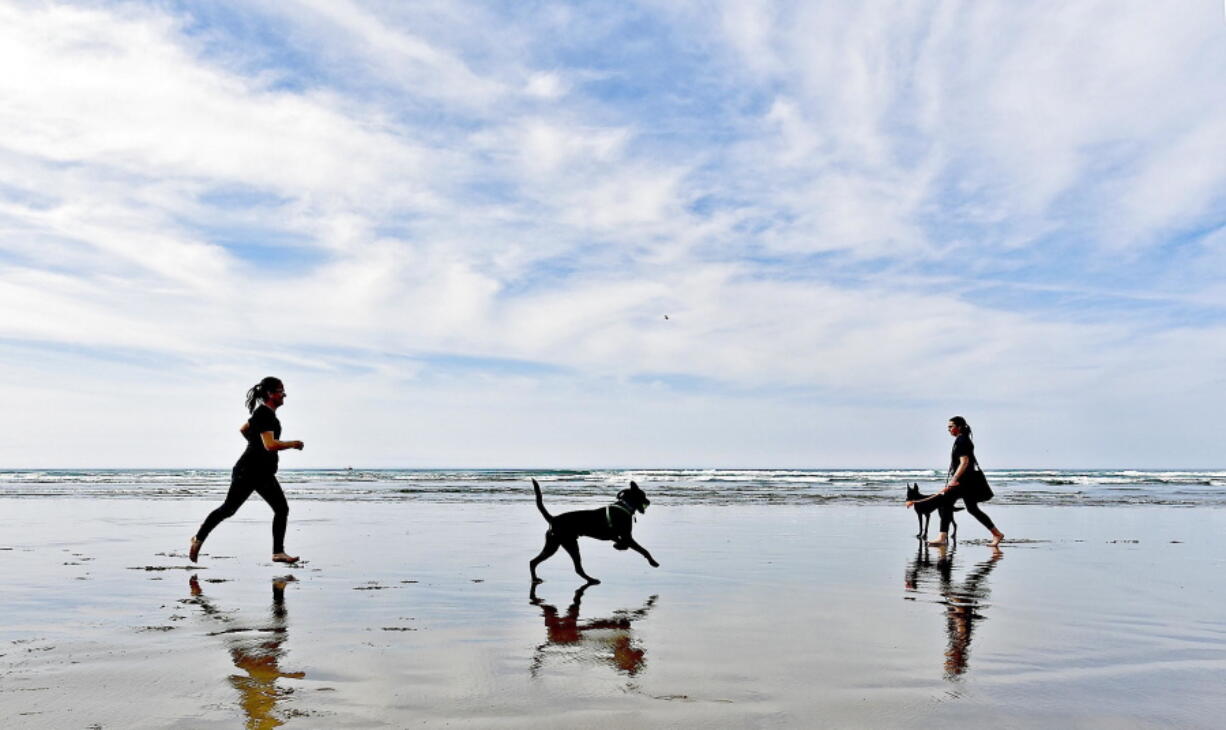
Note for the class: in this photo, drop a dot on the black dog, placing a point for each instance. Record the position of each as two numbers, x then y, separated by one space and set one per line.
924 510
605 523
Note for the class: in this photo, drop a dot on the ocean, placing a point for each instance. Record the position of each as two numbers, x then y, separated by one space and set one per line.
666 486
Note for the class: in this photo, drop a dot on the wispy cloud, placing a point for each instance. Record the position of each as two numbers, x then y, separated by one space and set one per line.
878 212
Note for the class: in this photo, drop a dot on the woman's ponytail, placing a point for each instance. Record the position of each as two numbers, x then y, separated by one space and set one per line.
259 392
963 426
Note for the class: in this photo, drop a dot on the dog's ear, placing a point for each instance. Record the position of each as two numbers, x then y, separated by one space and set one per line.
633 485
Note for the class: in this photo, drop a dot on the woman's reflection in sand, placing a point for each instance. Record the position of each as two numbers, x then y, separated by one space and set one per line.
257 652
594 641
963 601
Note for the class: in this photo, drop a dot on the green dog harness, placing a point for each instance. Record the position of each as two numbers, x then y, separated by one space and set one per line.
616 505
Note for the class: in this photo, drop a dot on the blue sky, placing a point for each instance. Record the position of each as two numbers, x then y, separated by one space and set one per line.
455 230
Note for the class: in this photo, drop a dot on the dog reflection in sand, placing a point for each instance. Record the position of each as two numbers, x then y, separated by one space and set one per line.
963 601
594 641
257 652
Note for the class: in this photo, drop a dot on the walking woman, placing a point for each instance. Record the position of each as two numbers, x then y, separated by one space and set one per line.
256 469
966 482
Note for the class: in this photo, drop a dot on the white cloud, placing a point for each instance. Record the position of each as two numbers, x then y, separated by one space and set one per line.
396 53
546 85
123 94
813 218
1032 105
546 147
1178 186
749 26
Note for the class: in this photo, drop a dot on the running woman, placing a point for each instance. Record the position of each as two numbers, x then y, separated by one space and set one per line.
256 469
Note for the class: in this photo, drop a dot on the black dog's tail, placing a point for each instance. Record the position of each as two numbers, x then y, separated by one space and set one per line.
540 502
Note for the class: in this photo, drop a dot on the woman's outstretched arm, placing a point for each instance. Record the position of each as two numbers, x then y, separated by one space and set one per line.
272 444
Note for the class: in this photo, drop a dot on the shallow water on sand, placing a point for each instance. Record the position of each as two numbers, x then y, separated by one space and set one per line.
774 616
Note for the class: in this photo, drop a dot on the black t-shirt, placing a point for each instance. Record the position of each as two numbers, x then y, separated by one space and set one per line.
963 446
257 459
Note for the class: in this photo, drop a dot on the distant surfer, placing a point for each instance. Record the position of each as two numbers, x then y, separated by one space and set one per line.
256 469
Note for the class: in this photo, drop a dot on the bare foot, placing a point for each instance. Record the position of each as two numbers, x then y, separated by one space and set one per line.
283 558
194 551
938 543
997 539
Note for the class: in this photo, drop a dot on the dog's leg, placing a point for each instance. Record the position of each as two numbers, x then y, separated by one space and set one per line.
629 542
551 547
923 529
572 547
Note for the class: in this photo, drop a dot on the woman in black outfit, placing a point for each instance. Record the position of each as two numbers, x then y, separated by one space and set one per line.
961 462
256 469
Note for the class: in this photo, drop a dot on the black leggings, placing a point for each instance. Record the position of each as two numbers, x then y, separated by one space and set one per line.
241 487
946 510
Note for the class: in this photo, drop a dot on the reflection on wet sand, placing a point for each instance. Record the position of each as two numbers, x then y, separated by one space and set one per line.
257 652
594 641
963 601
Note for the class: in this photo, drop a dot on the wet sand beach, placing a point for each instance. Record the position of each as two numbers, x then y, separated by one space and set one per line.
420 614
